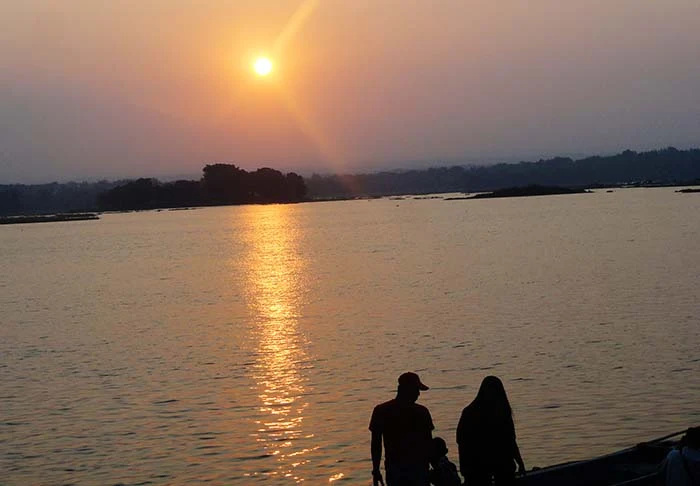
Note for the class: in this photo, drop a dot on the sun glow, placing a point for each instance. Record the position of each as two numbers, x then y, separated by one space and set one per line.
262 66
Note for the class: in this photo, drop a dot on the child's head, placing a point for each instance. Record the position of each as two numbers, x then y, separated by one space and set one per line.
439 448
692 438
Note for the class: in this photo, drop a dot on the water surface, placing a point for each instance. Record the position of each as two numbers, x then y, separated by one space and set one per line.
245 345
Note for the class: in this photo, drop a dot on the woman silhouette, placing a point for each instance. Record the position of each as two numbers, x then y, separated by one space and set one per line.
486 437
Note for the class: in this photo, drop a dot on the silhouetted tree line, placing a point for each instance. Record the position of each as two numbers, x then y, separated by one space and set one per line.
668 166
220 184
51 198
228 184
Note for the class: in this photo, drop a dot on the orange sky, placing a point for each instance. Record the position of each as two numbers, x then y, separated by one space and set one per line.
161 87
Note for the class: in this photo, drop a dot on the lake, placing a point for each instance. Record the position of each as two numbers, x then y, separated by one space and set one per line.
249 344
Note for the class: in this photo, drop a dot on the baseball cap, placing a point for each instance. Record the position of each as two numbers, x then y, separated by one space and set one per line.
412 380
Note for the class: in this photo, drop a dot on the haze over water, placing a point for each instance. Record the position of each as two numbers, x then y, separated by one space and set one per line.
245 345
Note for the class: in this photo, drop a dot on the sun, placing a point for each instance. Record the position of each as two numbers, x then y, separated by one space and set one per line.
262 66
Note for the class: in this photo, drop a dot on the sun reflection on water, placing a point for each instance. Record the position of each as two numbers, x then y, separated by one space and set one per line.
274 282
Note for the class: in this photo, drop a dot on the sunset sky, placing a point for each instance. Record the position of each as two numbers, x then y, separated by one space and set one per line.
93 88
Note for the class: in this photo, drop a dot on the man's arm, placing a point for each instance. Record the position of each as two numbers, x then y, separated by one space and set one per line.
376 458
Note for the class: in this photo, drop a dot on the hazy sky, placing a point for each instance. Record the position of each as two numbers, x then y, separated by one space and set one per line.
100 88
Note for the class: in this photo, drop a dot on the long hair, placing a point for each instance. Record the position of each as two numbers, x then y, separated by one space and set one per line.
491 400
486 425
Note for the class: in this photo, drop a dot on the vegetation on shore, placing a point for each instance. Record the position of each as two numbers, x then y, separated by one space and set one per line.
657 167
228 184
221 184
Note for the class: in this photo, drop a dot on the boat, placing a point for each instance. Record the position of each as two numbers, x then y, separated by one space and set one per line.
634 466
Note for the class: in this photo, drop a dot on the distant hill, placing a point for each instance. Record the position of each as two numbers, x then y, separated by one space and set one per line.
658 167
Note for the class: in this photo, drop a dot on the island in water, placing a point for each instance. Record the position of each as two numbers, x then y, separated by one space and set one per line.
531 190
47 218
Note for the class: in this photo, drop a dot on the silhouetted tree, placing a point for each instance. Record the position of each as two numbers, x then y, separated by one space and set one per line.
180 194
296 188
220 184
10 200
268 185
138 194
225 184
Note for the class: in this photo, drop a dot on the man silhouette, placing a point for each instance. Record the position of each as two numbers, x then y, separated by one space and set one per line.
406 429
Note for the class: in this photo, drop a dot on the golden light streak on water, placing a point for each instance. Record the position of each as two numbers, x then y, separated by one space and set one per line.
273 277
